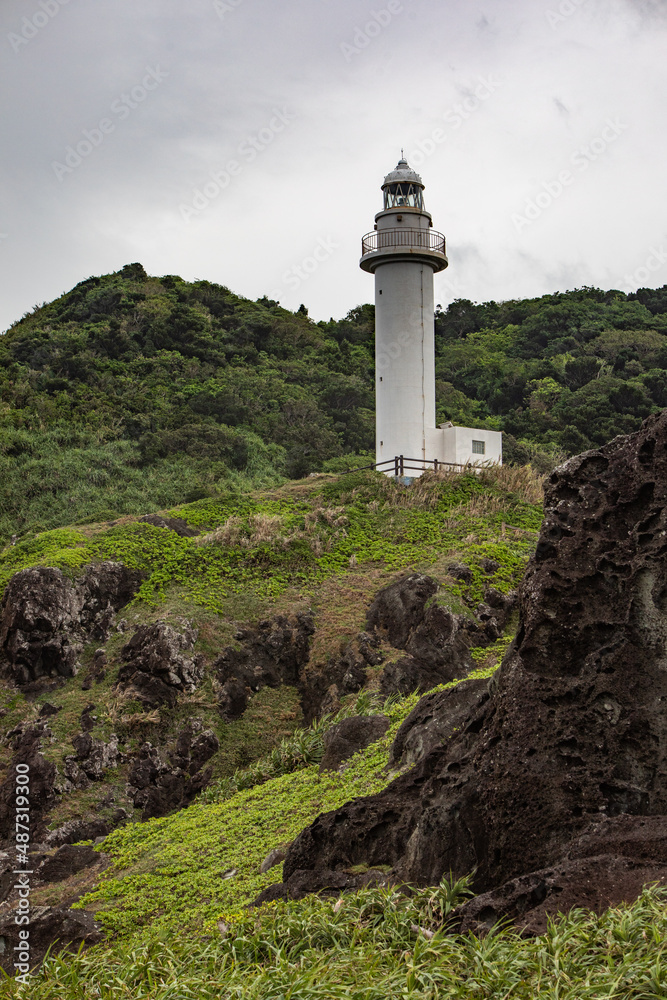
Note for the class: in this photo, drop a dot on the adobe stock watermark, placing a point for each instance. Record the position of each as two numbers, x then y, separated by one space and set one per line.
454 117
22 871
246 153
225 7
122 108
365 33
32 25
656 259
565 9
295 275
581 159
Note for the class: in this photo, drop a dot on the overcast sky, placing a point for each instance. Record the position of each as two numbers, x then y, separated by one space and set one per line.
228 139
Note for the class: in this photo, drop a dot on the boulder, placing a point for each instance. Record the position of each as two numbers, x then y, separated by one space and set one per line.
574 730
346 738
67 861
91 758
45 618
156 666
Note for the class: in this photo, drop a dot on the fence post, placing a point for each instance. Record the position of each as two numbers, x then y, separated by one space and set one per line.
396 465
401 463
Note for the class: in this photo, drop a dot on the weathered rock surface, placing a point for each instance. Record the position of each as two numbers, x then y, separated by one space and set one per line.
156 667
67 861
435 719
322 687
270 655
349 736
45 618
159 786
27 750
575 728
91 759
606 866
435 639
61 929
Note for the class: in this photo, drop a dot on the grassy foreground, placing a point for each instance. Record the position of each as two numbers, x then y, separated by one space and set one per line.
174 899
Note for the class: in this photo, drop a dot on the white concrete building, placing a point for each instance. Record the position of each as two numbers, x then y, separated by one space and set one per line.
404 252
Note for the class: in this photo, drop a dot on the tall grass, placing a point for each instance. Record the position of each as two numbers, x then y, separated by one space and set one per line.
377 944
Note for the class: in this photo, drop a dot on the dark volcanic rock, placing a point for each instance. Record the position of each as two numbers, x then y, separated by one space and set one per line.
59 929
156 666
349 736
270 655
435 719
399 608
574 729
42 776
322 687
159 787
434 638
75 830
45 618
608 865
68 860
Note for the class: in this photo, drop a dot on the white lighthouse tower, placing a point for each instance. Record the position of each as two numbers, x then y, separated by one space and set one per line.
404 252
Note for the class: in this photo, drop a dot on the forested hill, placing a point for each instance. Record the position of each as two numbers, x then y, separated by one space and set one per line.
131 393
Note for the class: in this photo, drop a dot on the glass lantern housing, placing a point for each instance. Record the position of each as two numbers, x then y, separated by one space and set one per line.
404 195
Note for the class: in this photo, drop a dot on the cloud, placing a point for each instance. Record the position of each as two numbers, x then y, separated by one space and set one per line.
483 84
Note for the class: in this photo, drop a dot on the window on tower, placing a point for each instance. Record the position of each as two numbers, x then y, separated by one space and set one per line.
403 196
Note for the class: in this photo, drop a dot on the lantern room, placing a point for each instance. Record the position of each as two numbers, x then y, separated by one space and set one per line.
403 188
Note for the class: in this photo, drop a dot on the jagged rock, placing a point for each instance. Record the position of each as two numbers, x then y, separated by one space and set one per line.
331 703
398 609
42 776
87 720
176 524
345 673
47 710
93 757
574 729
159 787
97 672
349 736
435 719
45 618
270 655
76 829
59 929
67 861
322 881
460 572
156 668
608 865
433 638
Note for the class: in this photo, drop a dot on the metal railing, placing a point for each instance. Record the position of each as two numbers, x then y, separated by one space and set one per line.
388 239
400 465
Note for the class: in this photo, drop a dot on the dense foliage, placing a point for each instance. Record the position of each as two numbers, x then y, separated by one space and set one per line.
130 393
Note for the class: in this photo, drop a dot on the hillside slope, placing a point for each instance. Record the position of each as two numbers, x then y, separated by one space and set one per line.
131 393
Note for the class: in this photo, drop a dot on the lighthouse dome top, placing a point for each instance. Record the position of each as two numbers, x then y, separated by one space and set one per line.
403 172
403 187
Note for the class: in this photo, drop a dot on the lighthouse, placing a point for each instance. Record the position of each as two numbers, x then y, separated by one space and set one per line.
404 252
